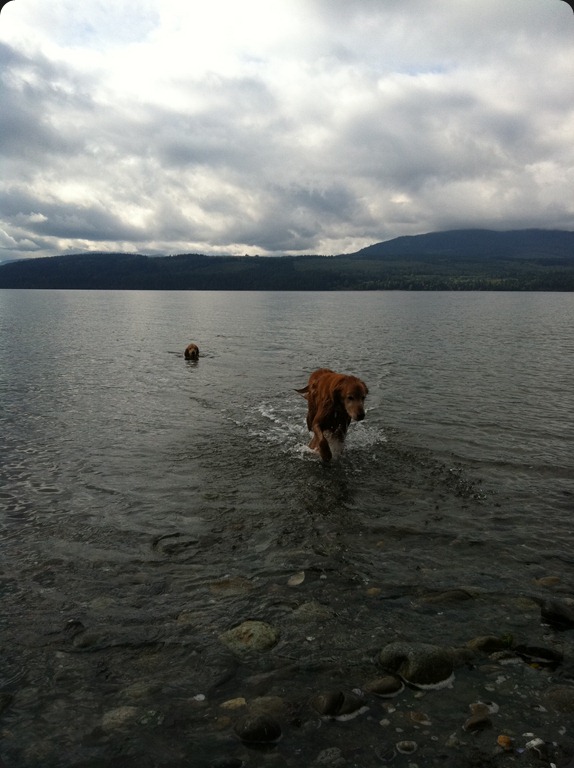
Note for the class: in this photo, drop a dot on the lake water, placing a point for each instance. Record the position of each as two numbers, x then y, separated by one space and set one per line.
148 504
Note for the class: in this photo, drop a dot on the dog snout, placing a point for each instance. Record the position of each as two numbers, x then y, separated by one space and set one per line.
360 416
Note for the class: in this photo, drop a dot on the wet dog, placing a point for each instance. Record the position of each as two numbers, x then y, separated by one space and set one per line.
334 400
191 352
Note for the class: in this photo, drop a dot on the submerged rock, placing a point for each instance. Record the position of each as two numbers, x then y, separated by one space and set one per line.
385 687
421 665
488 644
250 636
419 718
119 718
231 586
539 657
477 722
560 698
338 705
269 705
258 729
406 747
449 596
483 708
332 757
557 614
505 742
227 762
5 701
313 611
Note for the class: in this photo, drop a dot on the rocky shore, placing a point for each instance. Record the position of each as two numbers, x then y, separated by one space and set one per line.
302 689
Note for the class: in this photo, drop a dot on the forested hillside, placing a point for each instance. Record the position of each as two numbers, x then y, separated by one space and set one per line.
535 260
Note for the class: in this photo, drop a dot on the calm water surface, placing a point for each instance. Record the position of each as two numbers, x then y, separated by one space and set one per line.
148 504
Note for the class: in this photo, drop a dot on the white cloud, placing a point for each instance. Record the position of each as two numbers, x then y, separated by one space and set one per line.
273 126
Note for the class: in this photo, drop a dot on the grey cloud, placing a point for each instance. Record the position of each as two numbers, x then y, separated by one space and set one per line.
383 119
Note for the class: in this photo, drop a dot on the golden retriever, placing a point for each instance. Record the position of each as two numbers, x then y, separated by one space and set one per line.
334 401
191 352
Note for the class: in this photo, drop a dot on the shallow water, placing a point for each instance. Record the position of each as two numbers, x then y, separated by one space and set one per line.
149 503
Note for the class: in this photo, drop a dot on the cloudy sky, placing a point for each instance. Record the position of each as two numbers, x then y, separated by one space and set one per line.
280 126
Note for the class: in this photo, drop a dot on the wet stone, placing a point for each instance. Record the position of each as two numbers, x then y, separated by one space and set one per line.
419 718
250 636
483 708
488 644
385 687
232 704
258 729
231 587
560 699
5 701
313 611
406 747
505 742
119 718
227 762
557 614
268 705
140 689
538 747
385 753
450 596
477 722
422 665
547 581
331 757
338 705
539 657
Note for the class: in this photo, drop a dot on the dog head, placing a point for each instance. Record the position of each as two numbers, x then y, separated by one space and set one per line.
352 393
191 352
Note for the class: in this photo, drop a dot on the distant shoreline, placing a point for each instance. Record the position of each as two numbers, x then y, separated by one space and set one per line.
459 260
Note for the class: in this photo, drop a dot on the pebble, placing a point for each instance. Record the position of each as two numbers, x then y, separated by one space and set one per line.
332 756
547 581
296 579
421 665
385 687
268 705
227 762
338 705
538 746
232 704
539 657
557 614
258 729
118 718
231 586
419 718
451 595
313 611
386 753
560 698
477 723
483 708
505 742
488 644
250 636
406 747
5 701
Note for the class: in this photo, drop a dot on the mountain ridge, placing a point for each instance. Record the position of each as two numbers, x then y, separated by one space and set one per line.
462 259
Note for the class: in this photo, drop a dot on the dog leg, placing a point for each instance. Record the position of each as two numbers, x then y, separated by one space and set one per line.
320 444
